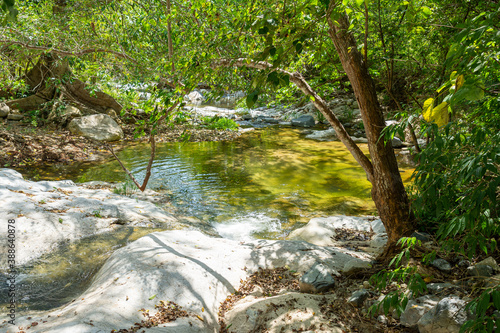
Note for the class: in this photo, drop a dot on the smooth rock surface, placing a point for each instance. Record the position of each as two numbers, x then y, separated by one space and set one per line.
317 279
291 312
358 297
4 110
195 97
442 265
396 142
304 121
100 127
14 115
416 308
320 230
50 212
446 317
437 288
195 271
327 135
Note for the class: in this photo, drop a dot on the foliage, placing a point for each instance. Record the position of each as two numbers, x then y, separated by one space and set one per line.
10 11
219 123
402 272
126 188
457 186
485 310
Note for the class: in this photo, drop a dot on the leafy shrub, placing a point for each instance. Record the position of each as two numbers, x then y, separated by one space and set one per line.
456 187
219 123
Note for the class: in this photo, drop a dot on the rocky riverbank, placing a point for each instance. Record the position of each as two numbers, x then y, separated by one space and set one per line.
211 284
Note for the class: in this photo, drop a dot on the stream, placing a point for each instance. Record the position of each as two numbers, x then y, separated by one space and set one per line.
265 184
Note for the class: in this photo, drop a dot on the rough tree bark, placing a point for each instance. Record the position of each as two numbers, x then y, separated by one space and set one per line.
388 191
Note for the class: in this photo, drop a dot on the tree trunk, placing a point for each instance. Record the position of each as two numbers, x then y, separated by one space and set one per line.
50 73
388 191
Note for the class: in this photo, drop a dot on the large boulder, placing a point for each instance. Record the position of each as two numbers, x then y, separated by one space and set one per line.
184 266
49 212
100 127
446 317
195 97
291 312
304 121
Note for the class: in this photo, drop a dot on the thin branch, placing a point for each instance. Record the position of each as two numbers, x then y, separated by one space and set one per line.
152 141
68 53
123 166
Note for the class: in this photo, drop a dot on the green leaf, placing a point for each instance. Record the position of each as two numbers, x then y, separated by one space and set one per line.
252 98
298 47
426 10
152 297
495 294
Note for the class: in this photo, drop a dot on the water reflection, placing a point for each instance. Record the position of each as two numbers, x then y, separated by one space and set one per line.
60 276
267 175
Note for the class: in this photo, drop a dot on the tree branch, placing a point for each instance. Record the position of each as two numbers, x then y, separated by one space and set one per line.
68 53
318 102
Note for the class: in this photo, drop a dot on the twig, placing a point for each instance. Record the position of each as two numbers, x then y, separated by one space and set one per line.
68 53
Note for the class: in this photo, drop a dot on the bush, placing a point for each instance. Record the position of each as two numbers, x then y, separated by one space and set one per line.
456 185
219 123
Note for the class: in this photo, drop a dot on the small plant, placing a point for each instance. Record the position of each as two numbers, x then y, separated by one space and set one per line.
219 123
126 188
181 117
402 272
60 220
42 202
320 117
97 213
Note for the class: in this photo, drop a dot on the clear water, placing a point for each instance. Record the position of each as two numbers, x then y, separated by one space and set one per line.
263 185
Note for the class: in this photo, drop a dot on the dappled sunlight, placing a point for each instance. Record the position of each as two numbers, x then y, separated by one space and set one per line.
266 174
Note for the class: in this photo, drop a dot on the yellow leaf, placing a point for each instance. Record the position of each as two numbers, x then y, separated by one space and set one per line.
438 114
460 81
427 109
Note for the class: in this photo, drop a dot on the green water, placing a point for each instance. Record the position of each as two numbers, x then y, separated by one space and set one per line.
262 185
270 180
62 275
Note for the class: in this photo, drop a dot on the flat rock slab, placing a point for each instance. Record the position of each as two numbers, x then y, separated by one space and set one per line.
291 312
184 266
321 231
47 213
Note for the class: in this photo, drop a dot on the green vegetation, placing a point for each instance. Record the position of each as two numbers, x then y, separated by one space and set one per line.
219 123
434 62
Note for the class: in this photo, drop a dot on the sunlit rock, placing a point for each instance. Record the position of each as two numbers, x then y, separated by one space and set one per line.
100 127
